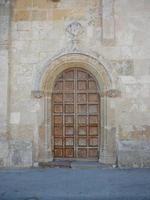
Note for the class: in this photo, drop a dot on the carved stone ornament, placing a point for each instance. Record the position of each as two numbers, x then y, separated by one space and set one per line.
37 94
74 29
113 93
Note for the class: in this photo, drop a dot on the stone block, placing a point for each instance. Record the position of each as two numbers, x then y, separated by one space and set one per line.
23 26
22 4
108 22
4 153
39 15
60 14
128 80
49 14
44 4
15 118
24 36
142 67
112 53
124 67
22 15
141 51
42 153
20 153
134 153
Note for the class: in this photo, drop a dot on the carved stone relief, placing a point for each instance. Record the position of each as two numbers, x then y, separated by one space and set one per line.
75 30
4 2
124 67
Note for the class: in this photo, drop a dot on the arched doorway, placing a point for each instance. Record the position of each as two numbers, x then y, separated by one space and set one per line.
99 70
76 115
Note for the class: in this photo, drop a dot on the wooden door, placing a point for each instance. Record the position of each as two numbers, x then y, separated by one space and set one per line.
75 115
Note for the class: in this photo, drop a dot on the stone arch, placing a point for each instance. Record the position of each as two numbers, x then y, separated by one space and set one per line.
87 62
83 56
106 84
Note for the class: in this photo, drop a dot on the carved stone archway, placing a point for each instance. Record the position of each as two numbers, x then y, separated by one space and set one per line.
107 92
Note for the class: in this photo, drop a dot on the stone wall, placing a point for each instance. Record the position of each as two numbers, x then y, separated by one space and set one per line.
134 79
4 74
4 69
13 152
41 31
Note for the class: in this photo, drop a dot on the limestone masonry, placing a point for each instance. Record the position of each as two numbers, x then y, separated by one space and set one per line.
39 39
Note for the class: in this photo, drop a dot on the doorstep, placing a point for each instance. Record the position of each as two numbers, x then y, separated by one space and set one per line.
88 165
55 164
75 165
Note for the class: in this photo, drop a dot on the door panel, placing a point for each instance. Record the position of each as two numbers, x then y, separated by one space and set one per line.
75 115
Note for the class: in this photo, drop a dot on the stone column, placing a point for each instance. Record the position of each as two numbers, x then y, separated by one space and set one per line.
49 128
108 154
4 80
4 65
108 22
47 125
103 145
45 153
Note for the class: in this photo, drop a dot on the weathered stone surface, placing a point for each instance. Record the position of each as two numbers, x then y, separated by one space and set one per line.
42 39
134 153
20 153
124 67
21 4
108 22
4 153
15 153
22 15
4 65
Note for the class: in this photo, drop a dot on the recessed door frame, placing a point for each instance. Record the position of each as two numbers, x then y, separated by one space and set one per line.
108 153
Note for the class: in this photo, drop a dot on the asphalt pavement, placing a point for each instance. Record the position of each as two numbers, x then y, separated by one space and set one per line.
75 184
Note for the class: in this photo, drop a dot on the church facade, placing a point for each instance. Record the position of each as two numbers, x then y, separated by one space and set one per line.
75 82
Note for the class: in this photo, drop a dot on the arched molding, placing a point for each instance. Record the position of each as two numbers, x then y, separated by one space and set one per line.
91 58
106 82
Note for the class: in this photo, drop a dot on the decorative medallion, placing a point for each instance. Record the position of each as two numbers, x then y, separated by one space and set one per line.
75 30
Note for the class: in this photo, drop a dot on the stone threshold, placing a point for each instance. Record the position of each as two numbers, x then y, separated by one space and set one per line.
75 165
